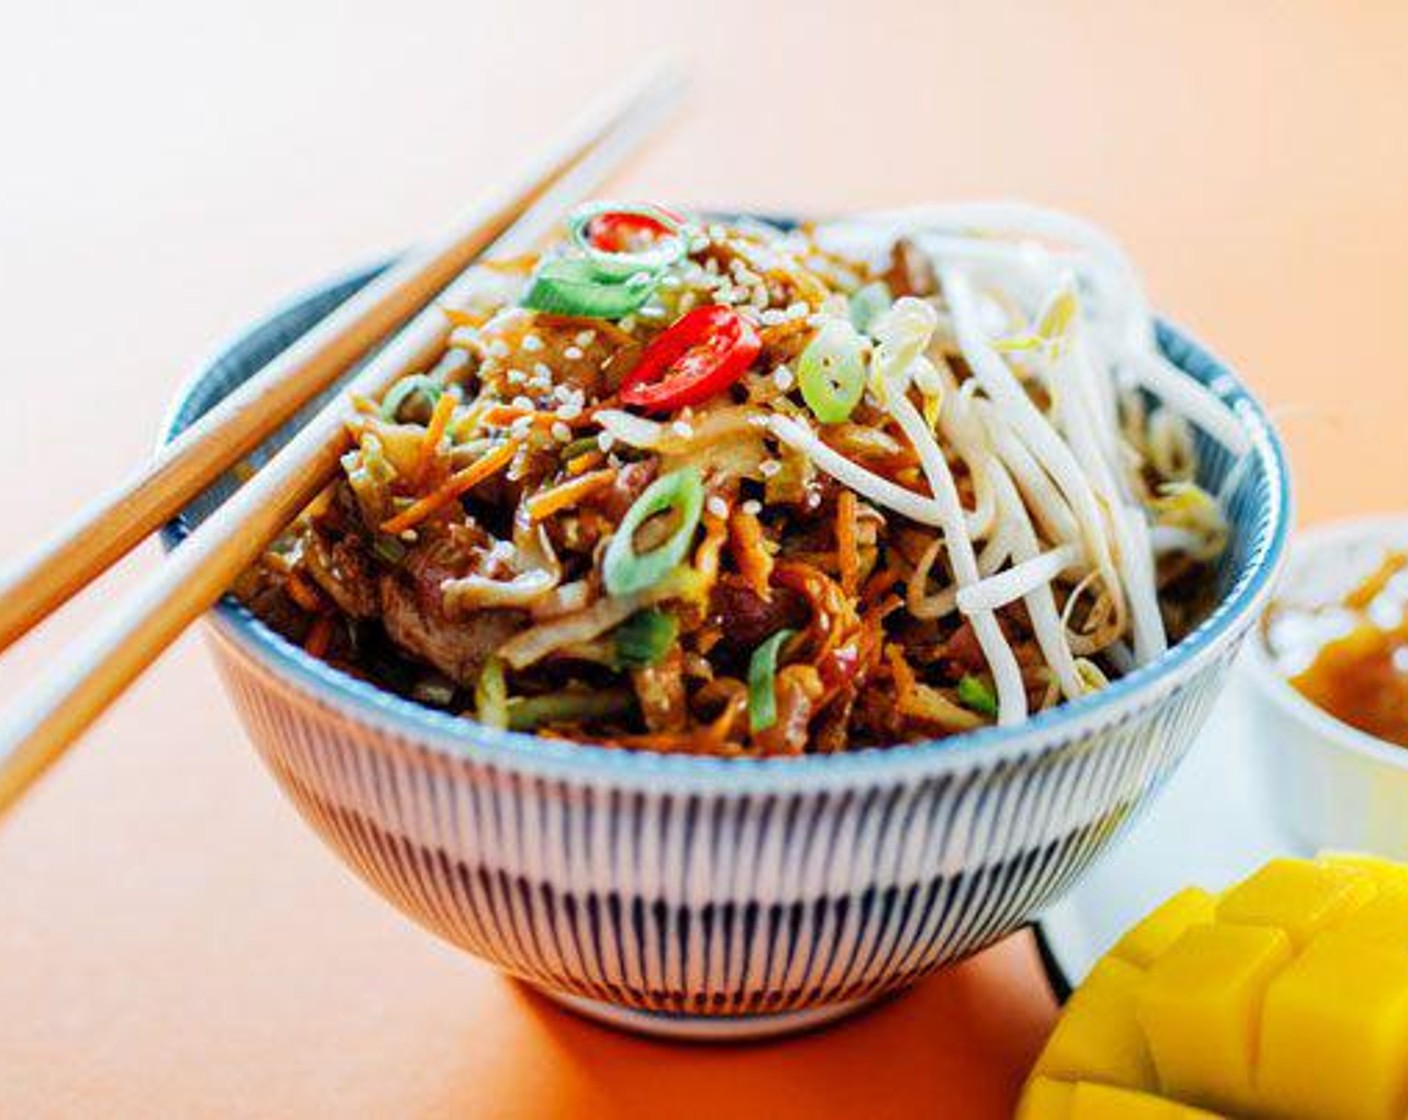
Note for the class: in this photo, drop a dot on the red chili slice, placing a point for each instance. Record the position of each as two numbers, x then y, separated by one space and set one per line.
699 356
624 232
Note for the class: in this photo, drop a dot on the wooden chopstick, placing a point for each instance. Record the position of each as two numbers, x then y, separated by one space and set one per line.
110 527
48 719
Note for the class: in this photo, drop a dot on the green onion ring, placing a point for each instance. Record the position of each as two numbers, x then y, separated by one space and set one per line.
571 286
399 393
619 266
976 695
491 695
628 571
762 682
831 371
644 638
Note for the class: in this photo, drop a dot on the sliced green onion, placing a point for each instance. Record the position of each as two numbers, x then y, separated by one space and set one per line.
571 286
620 266
401 392
527 713
491 695
644 638
868 304
388 549
831 371
578 447
762 682
434 690
628 571
977 695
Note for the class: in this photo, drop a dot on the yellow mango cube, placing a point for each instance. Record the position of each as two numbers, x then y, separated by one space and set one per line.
1384 918
1388 876
1334 1039
1045 1099
1098 1037
1297 896
1200 1009
1150 939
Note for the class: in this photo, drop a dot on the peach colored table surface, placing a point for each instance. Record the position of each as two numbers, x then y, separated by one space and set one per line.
173 942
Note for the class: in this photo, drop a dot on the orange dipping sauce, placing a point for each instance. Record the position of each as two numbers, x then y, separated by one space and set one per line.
1350 658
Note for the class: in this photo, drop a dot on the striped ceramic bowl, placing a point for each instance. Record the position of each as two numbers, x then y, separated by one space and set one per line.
704 897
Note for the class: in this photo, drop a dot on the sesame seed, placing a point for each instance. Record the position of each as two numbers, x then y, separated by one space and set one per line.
717 507
670 282
613 460
772 317
651 312
573 353
585 338
561 432
627 324
752 507
782 378
497 349
532 343
463 336
520 426
515 376
570 411
410 536
523 402
542 371
769 467
604 440
799 310
683 429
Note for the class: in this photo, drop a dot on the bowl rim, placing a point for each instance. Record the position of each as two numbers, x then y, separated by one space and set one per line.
1322 726
460 740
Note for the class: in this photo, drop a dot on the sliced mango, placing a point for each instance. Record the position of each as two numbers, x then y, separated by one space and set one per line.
1334 1037
1297 896
1200 1008
1097 1038
1143 944
1285 999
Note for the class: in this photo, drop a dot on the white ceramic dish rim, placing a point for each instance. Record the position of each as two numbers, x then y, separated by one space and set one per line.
1340 735
461 740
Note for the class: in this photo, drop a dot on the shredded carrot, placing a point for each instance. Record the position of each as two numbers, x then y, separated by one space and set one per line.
847 552
706 556
501 415
302 593
434 433
458 483
707 638
580 464
319 637
753 560
880 583
547 502
903 674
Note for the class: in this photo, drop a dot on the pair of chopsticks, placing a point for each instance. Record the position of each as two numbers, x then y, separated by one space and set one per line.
48 719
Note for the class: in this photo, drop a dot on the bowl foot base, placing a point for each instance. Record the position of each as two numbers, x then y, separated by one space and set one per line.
710 1028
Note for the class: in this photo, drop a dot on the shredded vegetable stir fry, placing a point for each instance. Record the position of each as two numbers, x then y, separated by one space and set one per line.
733 490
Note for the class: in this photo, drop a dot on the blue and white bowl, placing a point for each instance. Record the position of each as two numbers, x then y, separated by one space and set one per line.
705 897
